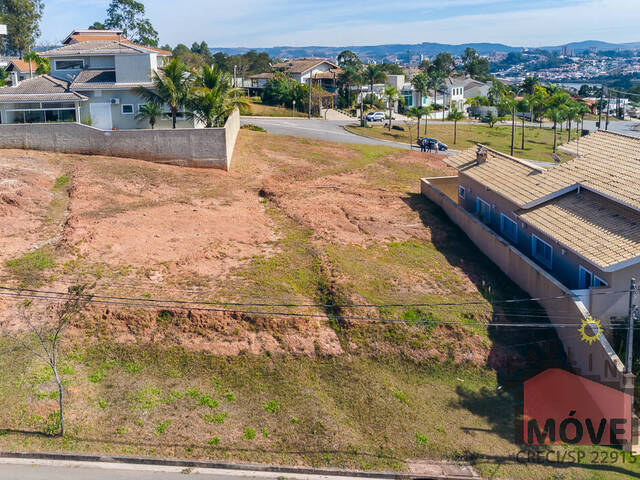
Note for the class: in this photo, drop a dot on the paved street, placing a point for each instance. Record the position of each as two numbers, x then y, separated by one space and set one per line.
329 130
22 469
333 130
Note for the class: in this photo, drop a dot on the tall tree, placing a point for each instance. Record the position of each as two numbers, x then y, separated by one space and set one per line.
348 58
348 78
22 18
522 106
373 74
129 16
455 115
420 83
444 63
391 95
529 85
171 86
475 65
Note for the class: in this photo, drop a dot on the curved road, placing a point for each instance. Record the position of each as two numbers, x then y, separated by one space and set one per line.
333 130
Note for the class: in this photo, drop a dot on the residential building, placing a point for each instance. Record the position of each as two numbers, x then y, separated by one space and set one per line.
20 70
93 80
323 72
579 221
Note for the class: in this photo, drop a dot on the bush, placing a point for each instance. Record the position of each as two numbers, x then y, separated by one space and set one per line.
250 433
272 406
253 128
214 441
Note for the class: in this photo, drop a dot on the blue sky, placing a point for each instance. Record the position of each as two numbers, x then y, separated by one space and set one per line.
265 23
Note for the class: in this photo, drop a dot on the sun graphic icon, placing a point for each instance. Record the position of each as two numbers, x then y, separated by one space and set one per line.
588 334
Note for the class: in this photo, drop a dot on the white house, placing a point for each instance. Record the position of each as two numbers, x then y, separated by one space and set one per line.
93 80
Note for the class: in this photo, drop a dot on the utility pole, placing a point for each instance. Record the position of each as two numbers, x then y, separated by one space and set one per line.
608 107
600 107
310 87
632 314
235 81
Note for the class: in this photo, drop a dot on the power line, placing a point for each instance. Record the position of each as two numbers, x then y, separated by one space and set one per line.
312 305
302 315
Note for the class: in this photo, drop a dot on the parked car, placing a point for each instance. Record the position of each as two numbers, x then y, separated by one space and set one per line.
443 147
376 116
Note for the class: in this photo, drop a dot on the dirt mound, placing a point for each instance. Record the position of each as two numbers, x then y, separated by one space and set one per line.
222 333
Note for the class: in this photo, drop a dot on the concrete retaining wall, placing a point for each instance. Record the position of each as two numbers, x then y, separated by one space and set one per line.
206 147
597 361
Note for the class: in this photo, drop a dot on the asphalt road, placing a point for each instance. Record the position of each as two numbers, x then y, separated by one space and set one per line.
328 130
334 131
61 470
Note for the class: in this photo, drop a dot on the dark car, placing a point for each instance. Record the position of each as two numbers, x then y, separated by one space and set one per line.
432 143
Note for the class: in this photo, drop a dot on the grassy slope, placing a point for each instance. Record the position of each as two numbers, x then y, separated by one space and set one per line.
371 408
538 142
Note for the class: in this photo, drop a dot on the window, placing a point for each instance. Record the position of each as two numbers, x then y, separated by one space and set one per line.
585 278
70 64
462 192
509 228
483 210
542 251
127 109
598 282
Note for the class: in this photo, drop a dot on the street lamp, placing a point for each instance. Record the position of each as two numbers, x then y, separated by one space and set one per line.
294 109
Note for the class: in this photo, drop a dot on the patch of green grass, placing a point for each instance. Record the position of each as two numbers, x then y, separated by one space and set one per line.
400 395
249 433
148 398
214 441
161 428
421 439
272 406
206 400
230 397
132 368
30 268
538 141
61 182
215 418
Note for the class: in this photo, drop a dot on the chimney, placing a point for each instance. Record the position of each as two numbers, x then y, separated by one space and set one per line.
481 155
14 79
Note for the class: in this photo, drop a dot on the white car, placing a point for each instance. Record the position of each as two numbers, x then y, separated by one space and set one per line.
376 117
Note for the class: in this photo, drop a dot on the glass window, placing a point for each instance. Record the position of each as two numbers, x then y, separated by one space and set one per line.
598 282
509 228
127 109
462 192
70 64
483 209
542 251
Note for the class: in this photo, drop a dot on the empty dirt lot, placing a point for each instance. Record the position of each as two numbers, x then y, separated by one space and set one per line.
280 361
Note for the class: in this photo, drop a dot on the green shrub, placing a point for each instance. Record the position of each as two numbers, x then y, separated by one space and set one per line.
250 433
132 367
162 427
265 432
230 397
102 403
421 439
214 441
193 392
217 418
272 406
206 400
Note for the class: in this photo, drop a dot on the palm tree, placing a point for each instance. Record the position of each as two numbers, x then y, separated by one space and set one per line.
496 93
171 85
420 83
373 74
213 98
391 95
426 112
556 115
436 81
571 114
416 112
529 84
454 116
522 106
150 112
348 77
582 111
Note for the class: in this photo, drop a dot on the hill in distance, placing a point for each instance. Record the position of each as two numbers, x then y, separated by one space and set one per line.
379 52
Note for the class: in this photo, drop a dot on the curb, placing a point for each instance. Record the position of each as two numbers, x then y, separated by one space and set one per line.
148 461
